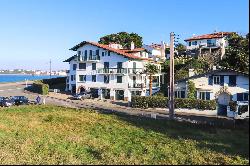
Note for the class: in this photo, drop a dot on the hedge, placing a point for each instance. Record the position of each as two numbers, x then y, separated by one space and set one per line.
162 102
56 83
39 87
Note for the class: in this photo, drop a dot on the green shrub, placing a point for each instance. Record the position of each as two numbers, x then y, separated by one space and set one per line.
39 87
233 105
162 102
56 83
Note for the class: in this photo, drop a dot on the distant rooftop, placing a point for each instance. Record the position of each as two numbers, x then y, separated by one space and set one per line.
209 36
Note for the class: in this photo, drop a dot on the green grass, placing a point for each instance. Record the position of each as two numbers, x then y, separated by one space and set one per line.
56 135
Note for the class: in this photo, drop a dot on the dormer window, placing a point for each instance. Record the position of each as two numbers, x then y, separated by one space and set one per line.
216 80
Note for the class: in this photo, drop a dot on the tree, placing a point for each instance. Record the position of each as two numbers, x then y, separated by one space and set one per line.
150 70
122 38
237 53
191 90
181 49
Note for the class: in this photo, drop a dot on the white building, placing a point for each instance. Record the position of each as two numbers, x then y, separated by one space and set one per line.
110 71
208 42
157 51
223 85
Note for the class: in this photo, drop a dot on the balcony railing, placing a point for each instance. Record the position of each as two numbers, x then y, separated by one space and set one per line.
89 58
136 85
211 45
119 71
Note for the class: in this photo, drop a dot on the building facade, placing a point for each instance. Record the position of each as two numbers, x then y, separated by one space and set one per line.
208 43
222 85
109 71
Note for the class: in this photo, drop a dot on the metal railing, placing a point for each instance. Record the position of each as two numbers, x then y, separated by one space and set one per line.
136 85
119 71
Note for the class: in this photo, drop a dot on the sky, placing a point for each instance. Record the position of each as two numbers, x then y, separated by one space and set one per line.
34 31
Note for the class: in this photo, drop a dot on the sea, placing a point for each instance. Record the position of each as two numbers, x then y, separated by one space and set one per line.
17 78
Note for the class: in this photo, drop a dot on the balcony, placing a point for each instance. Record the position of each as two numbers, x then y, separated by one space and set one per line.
212 45
91 58
112 71
120 71
136 85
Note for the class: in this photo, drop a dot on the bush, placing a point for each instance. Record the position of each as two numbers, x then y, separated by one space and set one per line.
162 102
56 83
39 87
232 105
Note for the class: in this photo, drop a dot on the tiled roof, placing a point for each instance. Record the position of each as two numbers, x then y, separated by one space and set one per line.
106 47
71 58
210 36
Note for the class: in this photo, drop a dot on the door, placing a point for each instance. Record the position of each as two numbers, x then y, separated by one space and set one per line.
119 95
223 102
106 67
134 67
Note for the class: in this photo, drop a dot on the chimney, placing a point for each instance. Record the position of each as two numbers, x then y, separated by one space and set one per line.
191 72
132 46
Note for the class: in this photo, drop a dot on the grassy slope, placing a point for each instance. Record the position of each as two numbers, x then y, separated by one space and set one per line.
55 135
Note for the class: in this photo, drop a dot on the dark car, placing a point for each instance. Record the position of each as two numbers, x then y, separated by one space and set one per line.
20 100
6 102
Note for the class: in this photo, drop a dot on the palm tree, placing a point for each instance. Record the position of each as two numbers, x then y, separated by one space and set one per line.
150 70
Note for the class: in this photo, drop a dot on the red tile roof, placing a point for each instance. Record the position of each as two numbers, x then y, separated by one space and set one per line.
210 36
106 47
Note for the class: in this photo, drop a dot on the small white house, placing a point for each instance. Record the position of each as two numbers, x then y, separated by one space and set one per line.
157 51
223 85
110 71
211 42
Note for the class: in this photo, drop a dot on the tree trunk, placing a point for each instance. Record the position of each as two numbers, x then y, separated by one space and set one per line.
150 85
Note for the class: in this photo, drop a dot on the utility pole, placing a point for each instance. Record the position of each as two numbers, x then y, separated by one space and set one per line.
171 81
50 68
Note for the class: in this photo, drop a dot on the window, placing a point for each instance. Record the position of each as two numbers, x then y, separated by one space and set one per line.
90 52
106 79
72 77
179 94
97 52
216 80
136 93
194 43
79 53
232 80
82 78
74 66
204 96
108 53
93 78
93 66
82 65
211 42
189 43
85 55
119 79
103 53
242 96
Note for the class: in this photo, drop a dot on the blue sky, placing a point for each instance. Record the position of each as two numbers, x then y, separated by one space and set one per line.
34 31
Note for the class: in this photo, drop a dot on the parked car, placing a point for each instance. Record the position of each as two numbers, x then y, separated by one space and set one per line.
20 100
82 96
6 102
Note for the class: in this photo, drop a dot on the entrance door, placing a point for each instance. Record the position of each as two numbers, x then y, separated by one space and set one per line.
119 95
73 89
223 102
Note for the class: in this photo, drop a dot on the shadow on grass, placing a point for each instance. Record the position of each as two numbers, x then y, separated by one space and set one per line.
232 141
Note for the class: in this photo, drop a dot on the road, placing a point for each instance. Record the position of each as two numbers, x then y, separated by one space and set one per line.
15 89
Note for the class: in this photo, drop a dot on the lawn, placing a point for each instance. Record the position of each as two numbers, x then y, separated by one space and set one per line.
56 135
